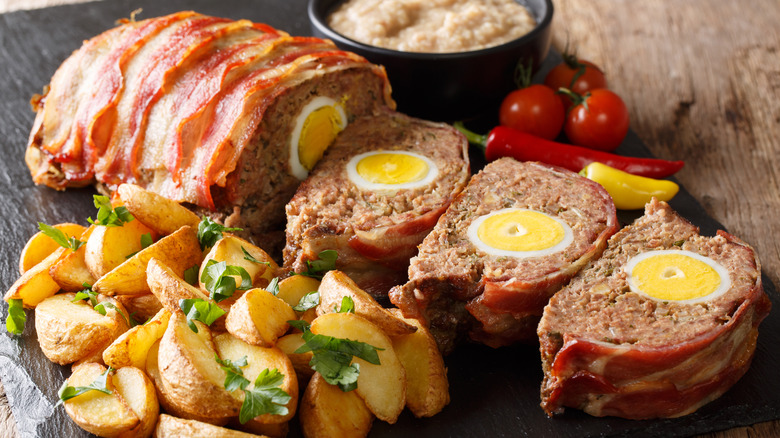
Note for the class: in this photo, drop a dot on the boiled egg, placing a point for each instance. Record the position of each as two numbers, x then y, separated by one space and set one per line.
316 127
390 171
677 275
519 232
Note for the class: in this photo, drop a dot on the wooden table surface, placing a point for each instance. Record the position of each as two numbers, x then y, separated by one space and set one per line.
701 79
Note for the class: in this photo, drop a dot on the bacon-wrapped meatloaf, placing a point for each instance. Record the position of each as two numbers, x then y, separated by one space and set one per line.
663 323
225 115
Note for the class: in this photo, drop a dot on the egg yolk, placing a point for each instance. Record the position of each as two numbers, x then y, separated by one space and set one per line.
319 130
384 168
520 233
520 230
676 275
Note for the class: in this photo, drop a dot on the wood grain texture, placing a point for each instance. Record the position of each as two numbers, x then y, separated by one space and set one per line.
701 79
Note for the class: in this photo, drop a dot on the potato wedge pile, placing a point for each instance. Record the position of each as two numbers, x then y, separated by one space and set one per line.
173 326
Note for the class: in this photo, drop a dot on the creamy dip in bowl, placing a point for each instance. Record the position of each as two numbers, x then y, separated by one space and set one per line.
432 26
453 85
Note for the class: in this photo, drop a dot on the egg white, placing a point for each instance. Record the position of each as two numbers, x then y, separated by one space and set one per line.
725 279
296 168
364 184
473 235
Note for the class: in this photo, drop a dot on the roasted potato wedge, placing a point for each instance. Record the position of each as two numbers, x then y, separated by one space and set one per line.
130 348
173 427
169 287
382 387
109 247
156 212
153 370
190 373
259 318
41 246
427 387
179 251
141 307
69 331
106 415
36 284
259 359
289 344
229 249
71 271
327 411
295 287
137 390
336 285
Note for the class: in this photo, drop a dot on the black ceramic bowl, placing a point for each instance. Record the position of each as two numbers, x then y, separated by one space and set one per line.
448 86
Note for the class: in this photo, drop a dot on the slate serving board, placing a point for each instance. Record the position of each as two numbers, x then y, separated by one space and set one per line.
494 392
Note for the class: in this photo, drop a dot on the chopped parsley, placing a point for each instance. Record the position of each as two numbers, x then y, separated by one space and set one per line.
209 232
266 397
273 286
347 305
16 316
191 275
107 215
100 384
197 309
60 237
325 263
100 307
250 258
308 301
217 276
332 357
146 241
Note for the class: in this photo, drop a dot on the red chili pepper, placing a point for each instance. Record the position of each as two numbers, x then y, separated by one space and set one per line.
508 142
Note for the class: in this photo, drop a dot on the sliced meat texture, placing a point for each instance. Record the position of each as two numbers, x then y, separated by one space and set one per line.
626 339
199 109
515 236
375 195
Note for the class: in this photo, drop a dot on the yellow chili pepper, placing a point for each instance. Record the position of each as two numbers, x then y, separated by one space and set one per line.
629 192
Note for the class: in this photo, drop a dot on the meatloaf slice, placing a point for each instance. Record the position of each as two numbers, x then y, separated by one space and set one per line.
458 287
375 231
609 349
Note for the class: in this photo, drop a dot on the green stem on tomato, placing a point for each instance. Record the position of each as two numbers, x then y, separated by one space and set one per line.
523 75
575 98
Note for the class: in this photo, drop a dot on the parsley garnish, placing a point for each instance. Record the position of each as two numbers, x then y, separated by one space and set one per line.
250 258
266 397
107 215
100 307
100 384
219 281
61 238
332 357
347 305
308 301
197 309
234 375
146 240
273 286
16 316
191 275
209 232
318 268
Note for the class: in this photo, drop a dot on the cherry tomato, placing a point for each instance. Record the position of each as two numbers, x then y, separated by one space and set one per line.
535 109
600 121
577 75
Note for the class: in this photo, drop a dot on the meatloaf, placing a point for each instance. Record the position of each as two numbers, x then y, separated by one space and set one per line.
460 288
375 230
199 109
609 348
